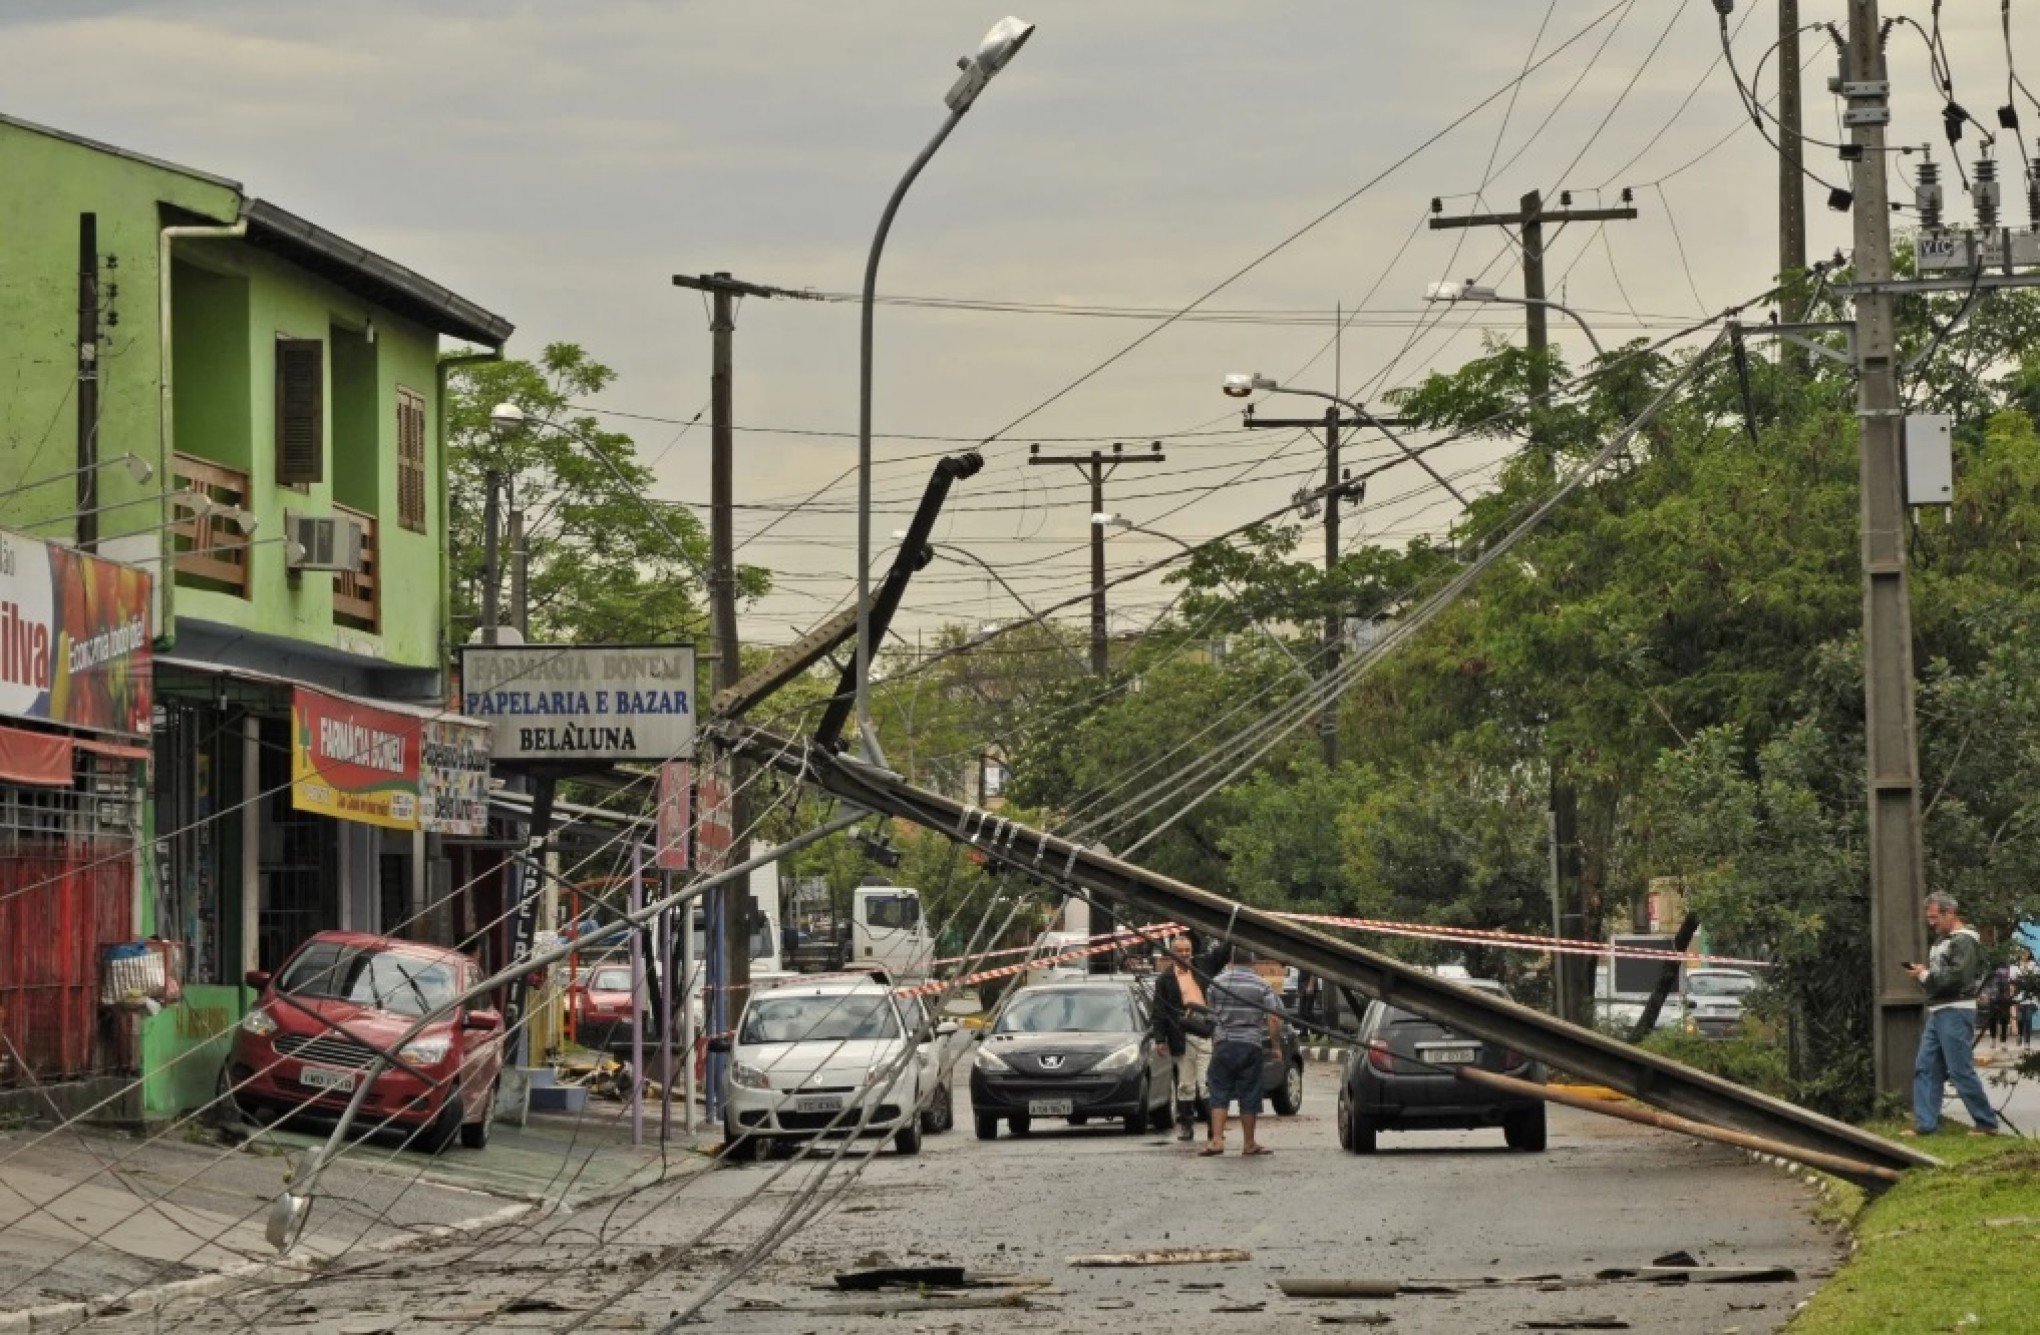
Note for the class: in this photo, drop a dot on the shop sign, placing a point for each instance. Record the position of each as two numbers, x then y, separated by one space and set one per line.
676 784
353 761
453 778
74 638
586 704
716 833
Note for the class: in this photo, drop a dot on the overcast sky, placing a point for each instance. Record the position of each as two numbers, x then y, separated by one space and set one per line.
559 162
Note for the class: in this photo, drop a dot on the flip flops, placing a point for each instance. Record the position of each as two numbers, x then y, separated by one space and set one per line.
1257 1151
1210 1150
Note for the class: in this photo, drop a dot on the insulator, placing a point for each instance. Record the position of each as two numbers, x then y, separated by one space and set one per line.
1927 194
1985 194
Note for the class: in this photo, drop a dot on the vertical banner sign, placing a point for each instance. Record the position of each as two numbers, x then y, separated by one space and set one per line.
676 782
715 833
74 638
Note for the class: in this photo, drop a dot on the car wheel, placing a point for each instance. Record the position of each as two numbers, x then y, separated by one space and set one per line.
738 1147
227 1110
1525 1130
1289 1098
1019 1124
1135 1122
940 1114
1356 1132
987 1128
1343 1118
907 1140
438 1135
475 1135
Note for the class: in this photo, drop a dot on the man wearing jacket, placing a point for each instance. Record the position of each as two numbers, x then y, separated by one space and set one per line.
1953 972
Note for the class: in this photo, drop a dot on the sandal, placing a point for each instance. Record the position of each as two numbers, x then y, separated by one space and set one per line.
1209 1150
1256 1151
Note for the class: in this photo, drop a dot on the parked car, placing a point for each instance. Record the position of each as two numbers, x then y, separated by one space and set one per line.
1282 1071
1711 1002
822 1057
1079 1050
600 1002
1399 1078
318 1022
944 1050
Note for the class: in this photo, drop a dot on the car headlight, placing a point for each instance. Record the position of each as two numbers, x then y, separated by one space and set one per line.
748 1077
1120 1060
987 1060
259 1022
426 1051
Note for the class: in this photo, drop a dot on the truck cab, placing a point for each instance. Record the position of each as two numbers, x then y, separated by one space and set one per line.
887 930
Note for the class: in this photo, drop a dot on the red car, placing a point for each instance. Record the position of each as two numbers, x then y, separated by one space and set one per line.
600 999
286 1057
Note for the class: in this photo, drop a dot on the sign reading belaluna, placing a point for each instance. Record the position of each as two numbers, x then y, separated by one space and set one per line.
588 704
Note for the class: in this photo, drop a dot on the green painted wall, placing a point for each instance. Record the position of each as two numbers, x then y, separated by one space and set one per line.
45 184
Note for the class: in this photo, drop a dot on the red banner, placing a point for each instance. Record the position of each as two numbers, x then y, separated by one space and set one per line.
675 815
35 757
354 761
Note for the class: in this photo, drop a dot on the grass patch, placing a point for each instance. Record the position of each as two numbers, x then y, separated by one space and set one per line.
1943 1246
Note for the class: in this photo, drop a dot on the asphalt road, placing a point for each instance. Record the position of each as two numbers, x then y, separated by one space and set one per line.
1455 1208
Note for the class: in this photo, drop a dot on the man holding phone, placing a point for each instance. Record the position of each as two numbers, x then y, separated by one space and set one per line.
1953 972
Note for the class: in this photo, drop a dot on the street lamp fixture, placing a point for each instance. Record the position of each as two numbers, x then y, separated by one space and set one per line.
1468 290
994 53
1240 384
507 419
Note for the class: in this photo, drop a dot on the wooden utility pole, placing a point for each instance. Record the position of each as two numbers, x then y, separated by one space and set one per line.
735 901
1097 466
1573 981
1897 876
1338 490
1791 173
88 382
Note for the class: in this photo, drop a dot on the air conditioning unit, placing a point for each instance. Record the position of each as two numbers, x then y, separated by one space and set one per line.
322 542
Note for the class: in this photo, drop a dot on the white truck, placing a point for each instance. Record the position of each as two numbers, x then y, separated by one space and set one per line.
888 931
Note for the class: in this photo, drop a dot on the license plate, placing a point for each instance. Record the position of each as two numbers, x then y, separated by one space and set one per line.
1459 1055
819 1103
1048 1107
325 1077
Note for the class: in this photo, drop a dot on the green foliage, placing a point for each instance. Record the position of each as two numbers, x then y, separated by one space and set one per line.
1757 1063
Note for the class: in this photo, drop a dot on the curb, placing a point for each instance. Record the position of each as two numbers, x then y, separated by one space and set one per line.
1326 1052
284 1270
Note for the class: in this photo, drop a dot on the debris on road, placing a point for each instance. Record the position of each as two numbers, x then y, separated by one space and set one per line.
1354 1319
1339 1288
1701 1274
904 1277
1164 1256
1574 1323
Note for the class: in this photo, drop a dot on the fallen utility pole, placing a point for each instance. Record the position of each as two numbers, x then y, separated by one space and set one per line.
1642 1075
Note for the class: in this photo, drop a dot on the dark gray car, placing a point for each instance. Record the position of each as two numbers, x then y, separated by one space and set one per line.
1075 1051
1399 1077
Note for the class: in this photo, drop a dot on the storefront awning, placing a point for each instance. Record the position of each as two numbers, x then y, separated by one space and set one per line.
40 758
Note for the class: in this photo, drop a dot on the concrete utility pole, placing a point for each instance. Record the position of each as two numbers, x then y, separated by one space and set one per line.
1097 466
1337 490
1791 173
1897 875
735 904
1573 981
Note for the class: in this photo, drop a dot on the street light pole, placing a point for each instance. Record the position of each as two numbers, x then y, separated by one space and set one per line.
1473 292
1000 45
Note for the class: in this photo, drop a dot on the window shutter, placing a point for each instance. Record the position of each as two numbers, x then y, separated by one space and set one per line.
411 460
300 411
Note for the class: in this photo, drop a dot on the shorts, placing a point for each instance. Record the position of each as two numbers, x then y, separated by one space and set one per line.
1236 1075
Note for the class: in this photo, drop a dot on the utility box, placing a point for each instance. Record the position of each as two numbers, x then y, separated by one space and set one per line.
1929 459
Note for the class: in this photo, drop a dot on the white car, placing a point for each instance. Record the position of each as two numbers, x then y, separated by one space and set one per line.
830 1057
1711 1002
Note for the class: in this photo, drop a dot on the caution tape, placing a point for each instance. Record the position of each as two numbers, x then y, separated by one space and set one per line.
1479 936
1116 939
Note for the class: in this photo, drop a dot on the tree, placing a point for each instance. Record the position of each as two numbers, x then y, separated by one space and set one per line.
601 569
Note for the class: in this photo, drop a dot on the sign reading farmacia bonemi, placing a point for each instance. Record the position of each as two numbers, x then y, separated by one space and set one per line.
595 704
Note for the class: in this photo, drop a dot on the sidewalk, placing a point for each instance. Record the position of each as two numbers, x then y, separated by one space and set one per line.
2019 1102
189 1205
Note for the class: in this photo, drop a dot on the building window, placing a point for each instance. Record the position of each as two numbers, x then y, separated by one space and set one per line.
411 459
300 411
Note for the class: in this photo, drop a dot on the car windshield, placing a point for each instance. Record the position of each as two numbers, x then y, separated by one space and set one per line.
387 980
1719 984
836 1018
1068 1010
610 980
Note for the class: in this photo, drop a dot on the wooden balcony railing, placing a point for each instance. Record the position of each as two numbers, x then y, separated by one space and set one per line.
357 593
210 548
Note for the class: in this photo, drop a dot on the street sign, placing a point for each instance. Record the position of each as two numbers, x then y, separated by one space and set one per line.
676 799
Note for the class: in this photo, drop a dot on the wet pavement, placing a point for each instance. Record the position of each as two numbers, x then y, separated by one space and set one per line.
1452 1209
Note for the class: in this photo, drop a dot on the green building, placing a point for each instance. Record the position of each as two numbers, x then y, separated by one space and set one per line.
258 411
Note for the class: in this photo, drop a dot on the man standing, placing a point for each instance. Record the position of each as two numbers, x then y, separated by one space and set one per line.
1244 1009
1950 977
1177 989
